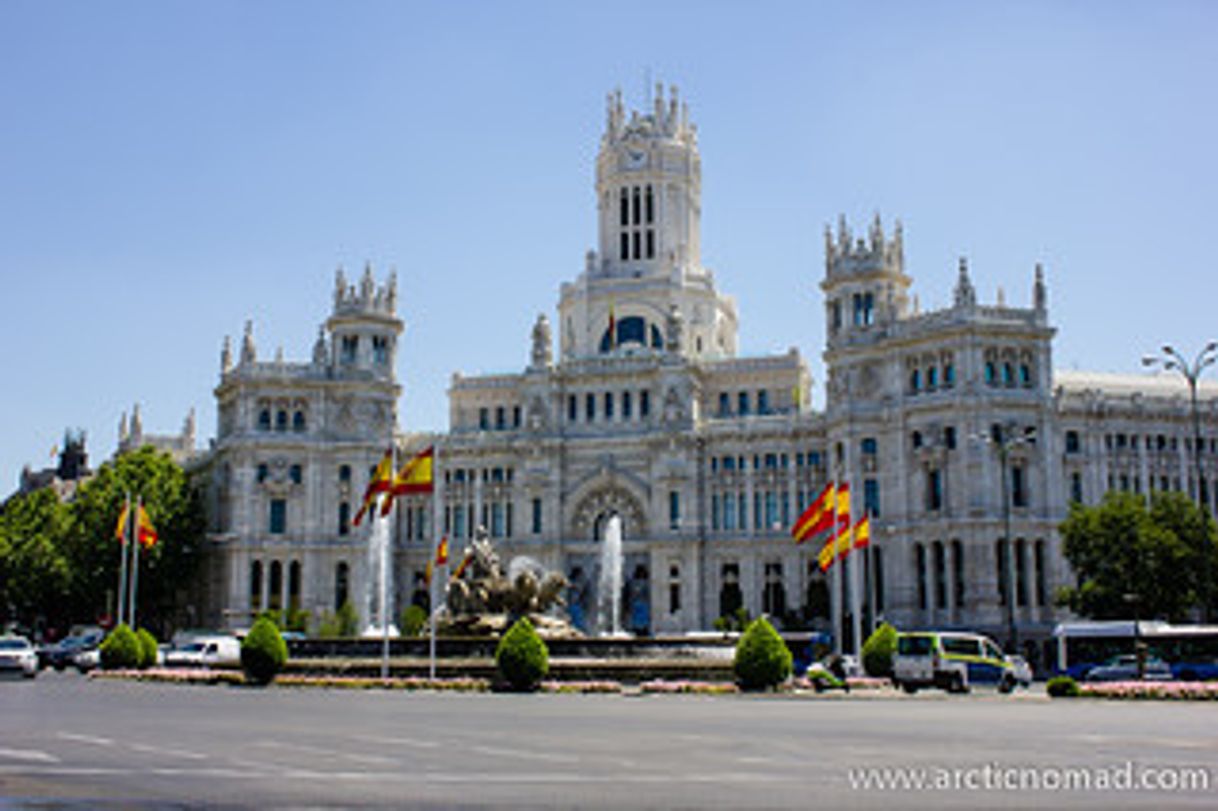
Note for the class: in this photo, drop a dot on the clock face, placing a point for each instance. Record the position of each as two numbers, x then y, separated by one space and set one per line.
635 159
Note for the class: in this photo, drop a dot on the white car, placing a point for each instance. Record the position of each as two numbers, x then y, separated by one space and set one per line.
215 651
17 655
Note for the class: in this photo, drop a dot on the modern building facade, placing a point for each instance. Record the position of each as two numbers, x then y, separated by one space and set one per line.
952 427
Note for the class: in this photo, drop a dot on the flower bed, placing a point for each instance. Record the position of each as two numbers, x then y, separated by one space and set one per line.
453 685
1153 690
688 687
580 687
173 675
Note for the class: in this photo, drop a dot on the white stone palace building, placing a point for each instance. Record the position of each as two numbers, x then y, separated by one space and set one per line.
642 408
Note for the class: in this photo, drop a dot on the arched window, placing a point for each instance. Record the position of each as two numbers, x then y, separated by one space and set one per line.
344 518
1001 551
730 596
1021 574
342 584
256 585
958 571
1041 574
344 474
920 566
298 422
264 419
774 596
294 586
940 575
275 587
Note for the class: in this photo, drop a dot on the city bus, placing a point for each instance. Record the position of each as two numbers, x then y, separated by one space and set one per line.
1190 650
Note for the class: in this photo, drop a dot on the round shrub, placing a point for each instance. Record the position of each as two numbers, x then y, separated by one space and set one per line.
522 657
263 652
120 649
147 648
762 658
1062 687
414 620
878 651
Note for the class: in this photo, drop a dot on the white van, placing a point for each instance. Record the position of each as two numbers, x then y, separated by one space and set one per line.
952 661
206 651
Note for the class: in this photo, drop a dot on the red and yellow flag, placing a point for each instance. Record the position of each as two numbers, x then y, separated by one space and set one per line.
442 552
381 482
144 530
862 533
416 476
120 529
845 539
817 518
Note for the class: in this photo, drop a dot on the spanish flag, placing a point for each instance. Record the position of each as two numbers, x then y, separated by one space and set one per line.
843 503
612 327
145 531
846 539
381 481
862 533
120 529
817 518
442 552
416 476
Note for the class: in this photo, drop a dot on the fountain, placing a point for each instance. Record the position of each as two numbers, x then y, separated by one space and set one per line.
609 597
380 577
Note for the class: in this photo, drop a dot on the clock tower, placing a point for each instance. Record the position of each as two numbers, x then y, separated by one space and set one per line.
647 269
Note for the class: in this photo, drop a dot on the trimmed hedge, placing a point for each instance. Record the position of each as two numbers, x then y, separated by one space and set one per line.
147 648
120 649
263 652
522 657
762 658
414 621
879 650
1062 687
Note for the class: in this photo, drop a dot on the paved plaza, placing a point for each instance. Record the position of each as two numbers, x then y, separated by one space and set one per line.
69 742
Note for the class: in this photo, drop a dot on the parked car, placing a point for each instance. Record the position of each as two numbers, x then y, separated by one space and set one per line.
952 661
63 652
211 651
1125 668
17 655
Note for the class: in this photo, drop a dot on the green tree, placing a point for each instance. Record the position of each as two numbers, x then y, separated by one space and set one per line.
879 650
1130 559
763 659
522 657
174 506
34 573
263 652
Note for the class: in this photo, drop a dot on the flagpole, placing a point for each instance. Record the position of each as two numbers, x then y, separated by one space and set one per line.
838 583
436 528
122 567
385 557
871 578
856 596
134 521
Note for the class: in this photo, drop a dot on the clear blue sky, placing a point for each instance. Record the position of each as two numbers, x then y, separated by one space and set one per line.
168 170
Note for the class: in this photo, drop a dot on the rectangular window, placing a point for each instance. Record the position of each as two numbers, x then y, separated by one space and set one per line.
515 416
500 418
644 403
484 419
1019 489
626 405
497 525
742 403
729 512
459 522
724 404
934 490
572 408
536 516
744 511
871 497
608 405
763 402
757 516
279 516
715 517
625 253
674 510
589 407
771 509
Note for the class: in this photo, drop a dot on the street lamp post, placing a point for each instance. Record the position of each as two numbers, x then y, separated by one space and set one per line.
1005 439
1172 360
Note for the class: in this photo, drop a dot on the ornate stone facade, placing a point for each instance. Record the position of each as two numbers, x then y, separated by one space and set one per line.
645 411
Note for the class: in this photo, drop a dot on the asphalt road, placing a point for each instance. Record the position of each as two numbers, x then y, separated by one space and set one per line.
68 742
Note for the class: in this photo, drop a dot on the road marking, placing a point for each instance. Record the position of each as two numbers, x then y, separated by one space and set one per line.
161 750
93 739
32 755
398 776
417 744
496 751
329 753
